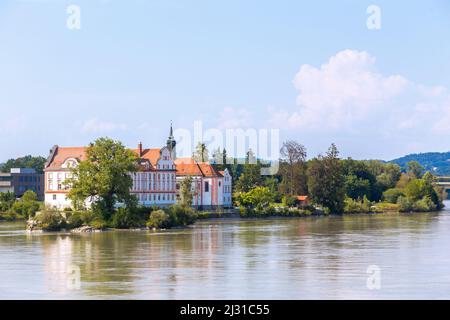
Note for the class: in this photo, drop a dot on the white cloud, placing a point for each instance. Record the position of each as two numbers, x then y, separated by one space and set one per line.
348 94
95 126
345 89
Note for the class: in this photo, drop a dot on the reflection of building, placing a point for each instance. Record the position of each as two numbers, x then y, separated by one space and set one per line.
19 180
211 188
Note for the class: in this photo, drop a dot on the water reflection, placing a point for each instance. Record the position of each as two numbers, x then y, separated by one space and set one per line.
275 258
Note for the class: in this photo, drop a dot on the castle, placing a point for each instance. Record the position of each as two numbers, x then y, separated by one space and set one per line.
155 183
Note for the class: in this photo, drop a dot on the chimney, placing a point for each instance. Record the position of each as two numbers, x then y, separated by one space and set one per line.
140 149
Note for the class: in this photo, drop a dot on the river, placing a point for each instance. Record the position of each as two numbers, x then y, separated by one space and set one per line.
380 256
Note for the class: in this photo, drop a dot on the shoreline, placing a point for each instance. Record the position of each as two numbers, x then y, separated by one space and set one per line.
212 217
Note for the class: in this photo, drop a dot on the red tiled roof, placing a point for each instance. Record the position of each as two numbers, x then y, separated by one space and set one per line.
189 167
62 154
79 153
152 155
302 198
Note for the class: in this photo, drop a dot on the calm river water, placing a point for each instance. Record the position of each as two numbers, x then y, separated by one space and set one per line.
291 258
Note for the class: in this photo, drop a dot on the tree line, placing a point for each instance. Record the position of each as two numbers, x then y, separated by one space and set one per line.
334 184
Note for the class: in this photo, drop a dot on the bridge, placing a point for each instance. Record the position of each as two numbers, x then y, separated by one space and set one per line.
444 183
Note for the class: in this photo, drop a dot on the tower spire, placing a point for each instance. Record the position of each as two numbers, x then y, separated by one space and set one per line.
171 143
171 130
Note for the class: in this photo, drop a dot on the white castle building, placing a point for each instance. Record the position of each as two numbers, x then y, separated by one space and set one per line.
155 183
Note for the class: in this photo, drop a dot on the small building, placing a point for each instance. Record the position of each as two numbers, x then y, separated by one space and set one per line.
302 201
20 180
211 188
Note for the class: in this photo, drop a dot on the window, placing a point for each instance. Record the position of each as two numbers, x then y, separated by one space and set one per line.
54 197
206 186
220 183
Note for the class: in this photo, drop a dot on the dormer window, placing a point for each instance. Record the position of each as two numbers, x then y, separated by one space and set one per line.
70 163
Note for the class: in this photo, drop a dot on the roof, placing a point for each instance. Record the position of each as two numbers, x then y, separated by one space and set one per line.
302 198
152 155
190 167
62 154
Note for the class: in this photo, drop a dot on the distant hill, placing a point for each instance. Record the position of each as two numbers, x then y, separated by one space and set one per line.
436 162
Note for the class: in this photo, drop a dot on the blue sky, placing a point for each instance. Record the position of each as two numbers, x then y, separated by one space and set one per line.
310 68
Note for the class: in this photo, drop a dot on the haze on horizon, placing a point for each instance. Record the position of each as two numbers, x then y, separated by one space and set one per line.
313 70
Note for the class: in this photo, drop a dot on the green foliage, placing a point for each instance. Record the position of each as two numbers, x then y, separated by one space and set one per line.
257 198
186 193
414 169
250 178
424 205
173 216
51 221
272 183
181 215
326 181
385 207
7 200
403 181
392 195
98 223
103 177
127 217
289 201
27 206
74 220
159 219
29 161
359 180
405 204
415 189
357 206
293 169
273 211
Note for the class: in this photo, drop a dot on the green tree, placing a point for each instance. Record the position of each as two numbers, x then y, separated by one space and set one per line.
249 178
326 181
414 169
293 169
104 177
7 200
392 195
257 198
28 161
186 193
26 206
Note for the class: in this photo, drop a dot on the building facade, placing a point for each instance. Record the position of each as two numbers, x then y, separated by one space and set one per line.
20 180
155 182
211 188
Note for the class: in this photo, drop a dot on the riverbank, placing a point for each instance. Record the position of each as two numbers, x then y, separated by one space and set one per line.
64 222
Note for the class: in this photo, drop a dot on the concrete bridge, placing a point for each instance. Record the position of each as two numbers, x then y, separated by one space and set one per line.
444 183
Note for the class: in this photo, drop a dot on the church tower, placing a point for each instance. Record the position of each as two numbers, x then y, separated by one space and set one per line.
171 143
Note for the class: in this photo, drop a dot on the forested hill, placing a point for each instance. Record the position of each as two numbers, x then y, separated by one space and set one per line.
436 162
